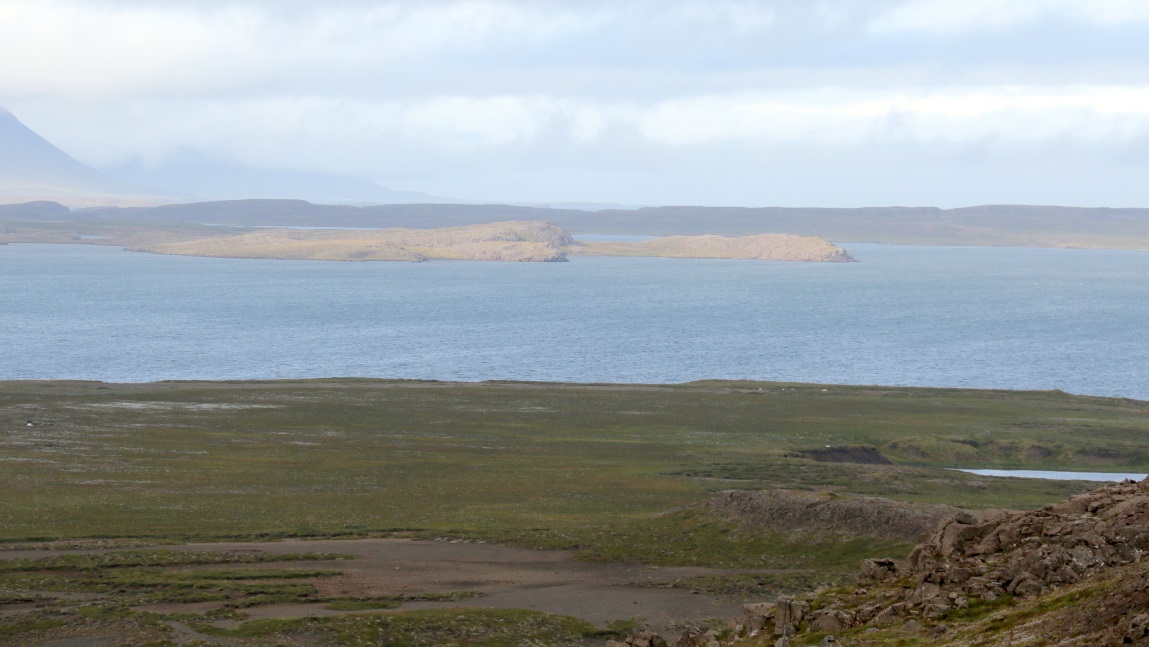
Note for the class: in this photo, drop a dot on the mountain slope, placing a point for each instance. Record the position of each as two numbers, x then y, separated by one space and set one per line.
28 161
210 178
31 168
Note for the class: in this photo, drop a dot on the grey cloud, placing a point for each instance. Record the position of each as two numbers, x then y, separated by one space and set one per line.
494 100
640 50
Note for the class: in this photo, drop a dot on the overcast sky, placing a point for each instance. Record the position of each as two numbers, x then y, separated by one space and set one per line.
798 102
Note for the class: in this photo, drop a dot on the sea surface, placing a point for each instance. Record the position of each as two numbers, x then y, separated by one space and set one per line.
1075 320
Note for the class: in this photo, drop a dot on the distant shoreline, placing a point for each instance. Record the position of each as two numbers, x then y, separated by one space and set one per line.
513 241
987 225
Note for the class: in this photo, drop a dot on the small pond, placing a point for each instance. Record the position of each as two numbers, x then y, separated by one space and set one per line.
1060 476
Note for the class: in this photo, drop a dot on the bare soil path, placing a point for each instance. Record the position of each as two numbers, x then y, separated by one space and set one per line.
544 580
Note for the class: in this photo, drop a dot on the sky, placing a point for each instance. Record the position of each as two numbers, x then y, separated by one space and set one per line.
771 103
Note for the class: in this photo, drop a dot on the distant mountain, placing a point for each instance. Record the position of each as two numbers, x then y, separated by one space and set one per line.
207 178
300 213
41 210
31 168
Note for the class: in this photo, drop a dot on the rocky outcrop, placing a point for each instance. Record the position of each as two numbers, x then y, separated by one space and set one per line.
827 513
1025 553
982 557
1071 573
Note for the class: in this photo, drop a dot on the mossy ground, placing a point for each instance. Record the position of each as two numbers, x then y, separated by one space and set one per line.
108 590
349 456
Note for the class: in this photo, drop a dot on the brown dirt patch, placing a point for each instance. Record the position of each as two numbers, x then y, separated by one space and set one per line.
543 580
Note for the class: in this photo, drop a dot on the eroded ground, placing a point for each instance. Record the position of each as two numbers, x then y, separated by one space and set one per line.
407 574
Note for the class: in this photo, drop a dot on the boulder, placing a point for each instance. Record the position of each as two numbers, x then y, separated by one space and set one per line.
646 639
892 613
1138 628
879 570
694 637
926 592
788 613
831 620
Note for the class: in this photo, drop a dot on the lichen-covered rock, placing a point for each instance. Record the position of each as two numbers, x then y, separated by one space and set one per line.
788 614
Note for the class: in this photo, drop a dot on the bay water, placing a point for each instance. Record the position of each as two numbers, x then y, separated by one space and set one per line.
1075 320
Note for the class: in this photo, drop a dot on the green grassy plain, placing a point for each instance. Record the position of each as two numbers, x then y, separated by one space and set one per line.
507 460
610 470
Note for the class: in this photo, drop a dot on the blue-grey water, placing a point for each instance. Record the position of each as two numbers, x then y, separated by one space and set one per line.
1076 320
1115 477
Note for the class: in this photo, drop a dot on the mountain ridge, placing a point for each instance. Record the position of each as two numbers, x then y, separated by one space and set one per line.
32 168
985 225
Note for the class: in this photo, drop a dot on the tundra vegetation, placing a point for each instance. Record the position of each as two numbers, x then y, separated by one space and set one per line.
637 473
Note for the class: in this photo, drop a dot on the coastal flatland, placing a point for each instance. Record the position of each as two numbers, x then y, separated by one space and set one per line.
148 508
203 459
